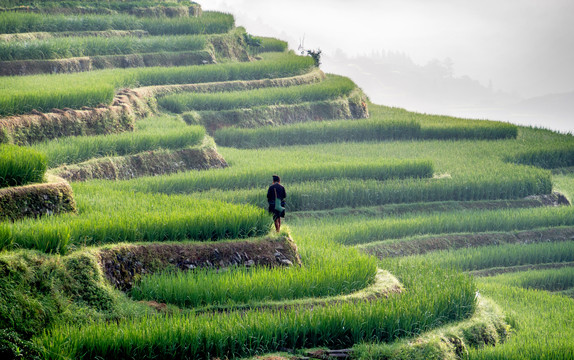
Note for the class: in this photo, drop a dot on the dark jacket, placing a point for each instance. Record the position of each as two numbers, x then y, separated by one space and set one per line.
281 194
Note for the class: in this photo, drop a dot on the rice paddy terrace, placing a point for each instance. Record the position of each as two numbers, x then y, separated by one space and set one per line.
138 139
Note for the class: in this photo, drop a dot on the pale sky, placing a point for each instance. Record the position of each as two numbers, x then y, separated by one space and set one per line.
523 46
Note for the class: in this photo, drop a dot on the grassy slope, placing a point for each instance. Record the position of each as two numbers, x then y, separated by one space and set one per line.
535 330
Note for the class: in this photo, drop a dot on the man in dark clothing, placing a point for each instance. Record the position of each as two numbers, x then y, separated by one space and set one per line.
276 192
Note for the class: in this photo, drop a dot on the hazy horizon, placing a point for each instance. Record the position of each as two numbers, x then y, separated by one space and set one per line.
521 49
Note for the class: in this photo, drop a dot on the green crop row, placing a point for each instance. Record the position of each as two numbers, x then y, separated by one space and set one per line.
237 178
110 217
548 280
370 230
354 193
332 87
318 132
498 256
112 5
72 150
21 94
541 323
435 296
549 158
58 48
20 166
373 129
269 44
208 23
327 275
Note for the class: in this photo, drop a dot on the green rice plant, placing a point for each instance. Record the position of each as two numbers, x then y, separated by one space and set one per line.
452 128
72 150
441 223
498 256
55 5
379 127
208 23
232 178
272 45
248 286
548 280
58 48
36 98
360 231
434 296
357 193
541 323
109 217
6 241
21 94
318 132
21 166
547 158
332 87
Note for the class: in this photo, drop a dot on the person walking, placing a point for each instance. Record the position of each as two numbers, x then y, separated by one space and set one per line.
276 197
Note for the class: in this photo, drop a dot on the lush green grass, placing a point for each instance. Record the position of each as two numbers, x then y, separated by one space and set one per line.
112 5
325 275
21 166
59 48
72 150
258 178
21 94
358 230
208 23
332 87
109 217
549 280
499 256
548 158
272 45
384 124
542 323
427 303
321 195
318 132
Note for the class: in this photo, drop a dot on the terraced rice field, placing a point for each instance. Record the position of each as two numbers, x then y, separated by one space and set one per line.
406 236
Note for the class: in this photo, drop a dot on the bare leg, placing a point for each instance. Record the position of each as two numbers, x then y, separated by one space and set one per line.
277 224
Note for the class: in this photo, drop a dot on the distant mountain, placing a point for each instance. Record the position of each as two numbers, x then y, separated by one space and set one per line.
552 104
393 79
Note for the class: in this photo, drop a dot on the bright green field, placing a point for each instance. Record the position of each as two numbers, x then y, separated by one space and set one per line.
396 178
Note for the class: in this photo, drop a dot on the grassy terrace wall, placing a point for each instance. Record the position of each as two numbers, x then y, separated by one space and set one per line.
120 116
139 8
384 124
352 107
90 63
208 23
44 92
122 265
144 164
54 197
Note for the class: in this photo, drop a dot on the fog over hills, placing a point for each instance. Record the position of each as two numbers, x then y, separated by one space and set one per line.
507 61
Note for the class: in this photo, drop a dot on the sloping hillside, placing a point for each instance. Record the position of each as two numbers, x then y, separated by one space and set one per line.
407 236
